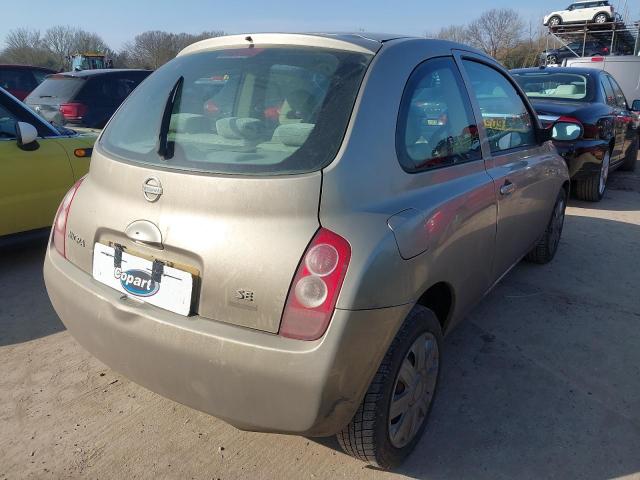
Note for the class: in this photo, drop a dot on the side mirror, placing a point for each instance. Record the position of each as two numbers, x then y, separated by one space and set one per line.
635 106
566 131
26 134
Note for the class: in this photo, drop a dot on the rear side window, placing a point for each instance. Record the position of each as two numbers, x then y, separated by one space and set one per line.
608 91
505 117
122 87
57 87
94 91
251 111
621 101
109 89
436 127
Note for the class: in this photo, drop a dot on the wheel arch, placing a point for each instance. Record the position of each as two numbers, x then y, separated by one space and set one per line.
605 13
440 299
559 17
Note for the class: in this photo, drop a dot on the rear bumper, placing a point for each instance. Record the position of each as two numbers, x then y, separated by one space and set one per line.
253 380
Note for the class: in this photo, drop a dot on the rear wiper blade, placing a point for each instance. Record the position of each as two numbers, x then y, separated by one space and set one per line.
48 96
165 147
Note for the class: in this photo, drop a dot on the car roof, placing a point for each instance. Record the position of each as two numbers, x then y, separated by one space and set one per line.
25 67
364 42
100 71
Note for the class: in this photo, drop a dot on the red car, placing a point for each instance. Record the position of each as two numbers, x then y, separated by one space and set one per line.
21 80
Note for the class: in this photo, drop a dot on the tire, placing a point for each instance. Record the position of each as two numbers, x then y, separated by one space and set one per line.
555 21
601 18
371 435
591 189
631 160
552 59
547 246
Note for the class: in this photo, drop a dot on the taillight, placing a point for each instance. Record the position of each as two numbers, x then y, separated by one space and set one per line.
597 59
315 288
73 111
60 222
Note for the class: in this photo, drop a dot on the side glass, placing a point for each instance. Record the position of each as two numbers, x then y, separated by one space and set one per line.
504 115
621 101
7 124
608 92
436 127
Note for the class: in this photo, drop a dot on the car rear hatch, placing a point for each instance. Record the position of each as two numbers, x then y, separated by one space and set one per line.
55 95
241 238
231 199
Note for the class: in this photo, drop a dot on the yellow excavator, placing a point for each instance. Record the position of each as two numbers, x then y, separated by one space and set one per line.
89 61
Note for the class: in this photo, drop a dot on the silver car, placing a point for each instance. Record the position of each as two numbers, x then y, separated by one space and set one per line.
277 229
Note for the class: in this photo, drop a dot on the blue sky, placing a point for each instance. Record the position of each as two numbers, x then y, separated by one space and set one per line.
118 21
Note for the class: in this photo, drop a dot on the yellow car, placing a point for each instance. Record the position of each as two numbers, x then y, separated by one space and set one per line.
38 164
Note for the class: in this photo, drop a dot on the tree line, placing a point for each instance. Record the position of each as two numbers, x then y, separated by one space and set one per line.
501 33
52 48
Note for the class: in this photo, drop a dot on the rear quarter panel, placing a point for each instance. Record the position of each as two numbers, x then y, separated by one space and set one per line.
366 185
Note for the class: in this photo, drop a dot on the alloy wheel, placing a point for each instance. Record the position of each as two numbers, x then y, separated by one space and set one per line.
554 22
602 18
413 390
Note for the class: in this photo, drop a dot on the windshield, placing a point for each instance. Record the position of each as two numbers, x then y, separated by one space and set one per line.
276 110
58 87
555 85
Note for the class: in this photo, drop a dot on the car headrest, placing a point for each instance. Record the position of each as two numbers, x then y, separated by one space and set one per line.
293 134
240 128
566 90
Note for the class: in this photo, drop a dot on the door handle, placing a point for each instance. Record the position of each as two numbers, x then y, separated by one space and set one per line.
507 189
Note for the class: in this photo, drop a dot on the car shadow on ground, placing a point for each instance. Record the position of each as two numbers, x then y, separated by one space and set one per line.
543 379
25 310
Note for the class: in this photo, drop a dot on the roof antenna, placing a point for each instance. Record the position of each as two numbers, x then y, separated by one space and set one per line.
249 39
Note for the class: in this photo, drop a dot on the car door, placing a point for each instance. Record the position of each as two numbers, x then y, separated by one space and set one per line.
453 205
610 98
521 167
625 120
571 14
578 13
590 11
33 179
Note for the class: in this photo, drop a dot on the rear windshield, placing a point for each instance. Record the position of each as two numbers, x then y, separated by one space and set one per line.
555 85
56 87
275 110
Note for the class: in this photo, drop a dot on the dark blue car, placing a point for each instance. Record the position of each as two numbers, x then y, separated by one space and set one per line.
593 100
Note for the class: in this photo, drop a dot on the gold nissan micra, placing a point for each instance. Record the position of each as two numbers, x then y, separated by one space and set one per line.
277 229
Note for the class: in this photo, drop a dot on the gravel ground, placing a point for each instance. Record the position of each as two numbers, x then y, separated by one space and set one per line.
541 381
